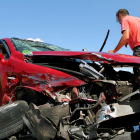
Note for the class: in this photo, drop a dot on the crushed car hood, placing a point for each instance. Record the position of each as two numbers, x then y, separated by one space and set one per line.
112 58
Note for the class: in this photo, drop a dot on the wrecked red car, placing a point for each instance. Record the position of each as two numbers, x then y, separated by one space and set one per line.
71 95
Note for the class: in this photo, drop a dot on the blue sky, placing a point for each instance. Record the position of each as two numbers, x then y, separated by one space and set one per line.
72 24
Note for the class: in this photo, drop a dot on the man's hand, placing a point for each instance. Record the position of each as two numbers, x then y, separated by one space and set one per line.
126 44
123 41
111 51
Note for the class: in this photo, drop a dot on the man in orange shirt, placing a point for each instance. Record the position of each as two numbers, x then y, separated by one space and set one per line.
130 28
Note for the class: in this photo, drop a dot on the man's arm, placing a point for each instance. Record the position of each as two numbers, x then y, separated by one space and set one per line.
122 42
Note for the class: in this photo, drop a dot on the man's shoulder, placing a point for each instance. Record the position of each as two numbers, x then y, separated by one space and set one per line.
131 18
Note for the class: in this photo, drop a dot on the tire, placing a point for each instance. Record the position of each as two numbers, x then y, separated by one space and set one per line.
11 118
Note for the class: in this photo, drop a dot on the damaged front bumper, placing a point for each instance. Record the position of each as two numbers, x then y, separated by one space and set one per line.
52 121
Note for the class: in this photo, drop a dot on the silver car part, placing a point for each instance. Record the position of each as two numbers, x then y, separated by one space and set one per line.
89 71
117 110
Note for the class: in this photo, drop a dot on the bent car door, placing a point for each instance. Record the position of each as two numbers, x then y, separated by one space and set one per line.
4 55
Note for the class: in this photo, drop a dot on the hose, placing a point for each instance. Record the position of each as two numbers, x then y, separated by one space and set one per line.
88 108
129 95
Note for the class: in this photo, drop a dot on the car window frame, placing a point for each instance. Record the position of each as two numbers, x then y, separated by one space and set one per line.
6 48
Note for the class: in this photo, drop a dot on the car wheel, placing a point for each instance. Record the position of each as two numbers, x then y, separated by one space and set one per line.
11 118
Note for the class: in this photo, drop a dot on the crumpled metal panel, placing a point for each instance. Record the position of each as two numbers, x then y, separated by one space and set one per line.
39 78
41 127
111 58
55 113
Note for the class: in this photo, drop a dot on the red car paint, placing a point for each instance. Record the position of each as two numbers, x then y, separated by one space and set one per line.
44 79
94 56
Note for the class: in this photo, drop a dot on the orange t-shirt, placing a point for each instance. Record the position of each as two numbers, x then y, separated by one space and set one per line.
133 25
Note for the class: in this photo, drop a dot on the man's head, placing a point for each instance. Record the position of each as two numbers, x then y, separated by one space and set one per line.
121 14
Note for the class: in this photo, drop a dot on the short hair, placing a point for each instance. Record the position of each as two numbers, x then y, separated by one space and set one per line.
124 12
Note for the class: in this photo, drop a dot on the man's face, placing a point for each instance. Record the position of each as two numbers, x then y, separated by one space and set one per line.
119 19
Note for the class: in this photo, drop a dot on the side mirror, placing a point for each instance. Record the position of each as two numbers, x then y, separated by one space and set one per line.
2 60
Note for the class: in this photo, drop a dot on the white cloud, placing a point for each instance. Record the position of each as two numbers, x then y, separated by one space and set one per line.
38 39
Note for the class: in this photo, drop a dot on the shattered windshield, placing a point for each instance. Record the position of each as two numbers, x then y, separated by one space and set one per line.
23 45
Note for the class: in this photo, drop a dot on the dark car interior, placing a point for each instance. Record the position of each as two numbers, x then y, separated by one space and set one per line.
4 50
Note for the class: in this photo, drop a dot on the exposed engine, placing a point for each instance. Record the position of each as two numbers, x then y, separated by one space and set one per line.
99 109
